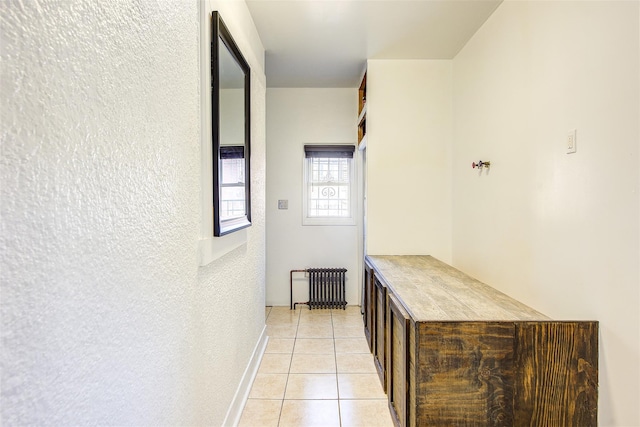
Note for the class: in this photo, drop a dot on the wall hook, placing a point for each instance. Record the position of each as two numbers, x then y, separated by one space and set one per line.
481 165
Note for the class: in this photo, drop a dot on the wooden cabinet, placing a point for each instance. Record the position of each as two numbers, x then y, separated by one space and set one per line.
380 348
398 380
460 353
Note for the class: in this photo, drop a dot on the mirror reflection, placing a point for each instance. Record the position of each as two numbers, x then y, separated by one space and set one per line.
232 172
231 142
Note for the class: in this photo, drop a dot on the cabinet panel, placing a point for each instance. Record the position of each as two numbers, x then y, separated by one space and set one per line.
398 362
380 348
369 308
465 372
559 360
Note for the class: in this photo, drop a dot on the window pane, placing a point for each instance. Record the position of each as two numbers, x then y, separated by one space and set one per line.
232 189
232 171
328 187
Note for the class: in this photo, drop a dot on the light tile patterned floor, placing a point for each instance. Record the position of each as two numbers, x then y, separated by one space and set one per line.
317 371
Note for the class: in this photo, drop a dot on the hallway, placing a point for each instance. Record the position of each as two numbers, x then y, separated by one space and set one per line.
316 371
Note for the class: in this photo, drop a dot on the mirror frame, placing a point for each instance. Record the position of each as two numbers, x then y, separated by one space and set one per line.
221 39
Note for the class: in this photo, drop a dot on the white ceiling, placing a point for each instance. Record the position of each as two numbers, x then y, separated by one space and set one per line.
325 43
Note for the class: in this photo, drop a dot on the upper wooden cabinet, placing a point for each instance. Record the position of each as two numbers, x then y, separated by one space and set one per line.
362 110
362 94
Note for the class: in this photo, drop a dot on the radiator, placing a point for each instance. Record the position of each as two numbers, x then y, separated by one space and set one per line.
326 288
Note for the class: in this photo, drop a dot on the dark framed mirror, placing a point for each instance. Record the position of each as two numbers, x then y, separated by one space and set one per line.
231 124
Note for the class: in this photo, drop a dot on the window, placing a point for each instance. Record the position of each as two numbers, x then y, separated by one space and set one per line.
232 187
329 196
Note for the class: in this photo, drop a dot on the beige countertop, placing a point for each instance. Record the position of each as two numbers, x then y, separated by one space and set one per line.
431 290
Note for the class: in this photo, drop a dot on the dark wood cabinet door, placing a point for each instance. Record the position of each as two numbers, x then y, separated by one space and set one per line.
380 350
368 309
398 362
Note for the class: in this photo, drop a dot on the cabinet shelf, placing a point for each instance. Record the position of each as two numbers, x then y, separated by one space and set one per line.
363 114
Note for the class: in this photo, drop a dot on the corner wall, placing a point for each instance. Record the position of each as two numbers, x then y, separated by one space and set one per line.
409 122
558 231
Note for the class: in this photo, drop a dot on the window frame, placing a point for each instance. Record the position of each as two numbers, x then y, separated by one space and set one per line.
326 220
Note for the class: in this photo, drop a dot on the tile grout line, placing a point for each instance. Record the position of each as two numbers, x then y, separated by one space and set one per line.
288 371
295 341
335 357
285 384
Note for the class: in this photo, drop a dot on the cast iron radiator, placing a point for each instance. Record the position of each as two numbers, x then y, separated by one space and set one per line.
326 288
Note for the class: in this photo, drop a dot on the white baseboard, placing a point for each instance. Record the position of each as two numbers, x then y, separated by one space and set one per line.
242 393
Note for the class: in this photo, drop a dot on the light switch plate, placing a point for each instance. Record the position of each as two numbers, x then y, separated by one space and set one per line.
571 141
283 204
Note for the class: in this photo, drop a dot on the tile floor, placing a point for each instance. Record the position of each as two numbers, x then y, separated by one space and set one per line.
316 371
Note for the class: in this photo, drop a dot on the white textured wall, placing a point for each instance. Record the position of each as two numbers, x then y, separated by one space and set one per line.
297 117
409 131
229 300
557 231
106 317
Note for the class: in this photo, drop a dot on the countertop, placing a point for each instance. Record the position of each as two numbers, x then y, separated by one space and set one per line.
431 290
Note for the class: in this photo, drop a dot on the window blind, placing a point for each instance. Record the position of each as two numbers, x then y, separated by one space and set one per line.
329 151
232 151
